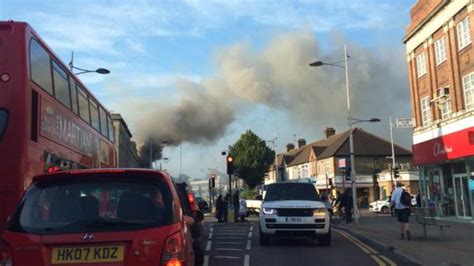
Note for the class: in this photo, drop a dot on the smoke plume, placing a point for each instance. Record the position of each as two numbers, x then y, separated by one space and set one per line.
279 76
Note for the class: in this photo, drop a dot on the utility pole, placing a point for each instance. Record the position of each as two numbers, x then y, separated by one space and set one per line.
393 153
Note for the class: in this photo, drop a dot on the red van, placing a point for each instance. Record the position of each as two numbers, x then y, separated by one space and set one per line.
99 217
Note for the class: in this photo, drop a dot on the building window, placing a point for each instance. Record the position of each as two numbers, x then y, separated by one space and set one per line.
425 111
440 50
464 35
445 107
468 85
421 64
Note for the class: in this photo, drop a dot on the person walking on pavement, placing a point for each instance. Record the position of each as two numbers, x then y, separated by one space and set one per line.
402 210
348 206
242 210
236 205
220 205
226 207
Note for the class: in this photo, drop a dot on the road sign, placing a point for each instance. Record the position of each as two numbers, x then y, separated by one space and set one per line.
404 123
342 163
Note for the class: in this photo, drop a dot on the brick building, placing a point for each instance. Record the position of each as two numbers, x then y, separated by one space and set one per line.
441 78
126 149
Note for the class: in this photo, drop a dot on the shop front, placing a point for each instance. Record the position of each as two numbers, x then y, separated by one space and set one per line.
446 165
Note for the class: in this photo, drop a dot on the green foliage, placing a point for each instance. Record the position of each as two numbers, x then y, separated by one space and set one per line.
252 158
249 193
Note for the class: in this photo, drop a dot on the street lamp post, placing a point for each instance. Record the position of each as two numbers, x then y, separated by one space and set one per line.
350 122
99 70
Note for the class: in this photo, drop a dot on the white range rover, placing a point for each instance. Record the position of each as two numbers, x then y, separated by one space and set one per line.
294 210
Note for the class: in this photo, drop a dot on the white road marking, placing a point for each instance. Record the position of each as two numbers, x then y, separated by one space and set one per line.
249 242
206 261
251 228
208 246
227 257
250 234
210 236
247 260
229 249
228 243
211 229
228 237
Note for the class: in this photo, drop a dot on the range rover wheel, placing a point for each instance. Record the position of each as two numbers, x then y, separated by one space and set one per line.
325 240
264 239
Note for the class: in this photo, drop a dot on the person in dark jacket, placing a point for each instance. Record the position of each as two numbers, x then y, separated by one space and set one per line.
348 203
220 205
236 205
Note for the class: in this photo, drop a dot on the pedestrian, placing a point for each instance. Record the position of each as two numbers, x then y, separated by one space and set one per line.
418 200
236 205
348 203
226 207
327 203
242 210
402 208
220 205
392 213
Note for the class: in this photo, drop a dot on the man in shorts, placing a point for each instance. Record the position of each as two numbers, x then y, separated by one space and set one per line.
402 211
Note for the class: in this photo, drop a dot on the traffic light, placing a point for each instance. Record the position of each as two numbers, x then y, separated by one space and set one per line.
347 173
396 172
213 181
230 165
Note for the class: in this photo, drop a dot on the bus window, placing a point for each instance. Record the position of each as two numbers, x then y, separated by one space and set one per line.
40 66
111 129
94 114
103 121
61 85
83 105
72 86
3 122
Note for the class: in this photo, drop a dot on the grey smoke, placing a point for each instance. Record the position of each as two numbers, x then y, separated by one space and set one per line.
279 76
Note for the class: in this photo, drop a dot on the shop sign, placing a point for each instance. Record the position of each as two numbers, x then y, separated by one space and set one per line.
455 145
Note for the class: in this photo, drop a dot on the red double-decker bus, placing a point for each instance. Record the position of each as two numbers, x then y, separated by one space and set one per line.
48 119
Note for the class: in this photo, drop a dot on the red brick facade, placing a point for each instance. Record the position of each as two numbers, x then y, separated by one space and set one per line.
448 74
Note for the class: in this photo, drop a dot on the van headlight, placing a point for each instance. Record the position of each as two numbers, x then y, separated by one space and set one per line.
319 211
270 211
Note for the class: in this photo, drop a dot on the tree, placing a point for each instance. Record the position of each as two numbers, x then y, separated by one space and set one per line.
252 158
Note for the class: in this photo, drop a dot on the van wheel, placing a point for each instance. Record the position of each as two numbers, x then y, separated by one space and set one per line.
325 240
385 210
264 239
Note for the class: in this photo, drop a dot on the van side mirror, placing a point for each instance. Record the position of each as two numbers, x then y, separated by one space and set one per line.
259 197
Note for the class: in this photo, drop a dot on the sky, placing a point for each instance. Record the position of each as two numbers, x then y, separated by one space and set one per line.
197 74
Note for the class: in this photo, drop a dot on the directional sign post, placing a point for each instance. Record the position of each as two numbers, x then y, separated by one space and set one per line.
404 122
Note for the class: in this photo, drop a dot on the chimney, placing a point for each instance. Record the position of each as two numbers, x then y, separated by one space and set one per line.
290 146
301 143
329 131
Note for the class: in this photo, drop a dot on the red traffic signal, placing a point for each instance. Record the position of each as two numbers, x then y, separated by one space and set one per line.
230 165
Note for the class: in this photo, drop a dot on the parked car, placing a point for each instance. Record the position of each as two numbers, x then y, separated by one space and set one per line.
66 218
202 203
253 206
383 205
294 210
191 208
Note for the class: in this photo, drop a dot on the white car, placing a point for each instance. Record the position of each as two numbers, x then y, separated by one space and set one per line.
383 205
294 210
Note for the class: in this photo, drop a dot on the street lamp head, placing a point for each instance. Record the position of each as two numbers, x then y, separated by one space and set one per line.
316 64
102 71
374 120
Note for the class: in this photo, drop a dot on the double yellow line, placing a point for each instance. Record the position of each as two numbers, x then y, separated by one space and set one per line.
380 259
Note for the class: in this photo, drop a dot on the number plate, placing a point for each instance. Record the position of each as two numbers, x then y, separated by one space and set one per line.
294 219
94 254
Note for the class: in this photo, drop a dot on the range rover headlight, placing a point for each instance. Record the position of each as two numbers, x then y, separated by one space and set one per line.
319 211
270 211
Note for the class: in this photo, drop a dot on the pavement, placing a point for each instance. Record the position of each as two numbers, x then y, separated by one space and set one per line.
383 231
230 244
